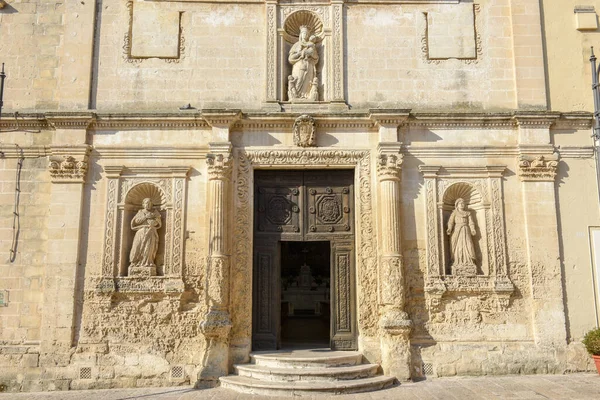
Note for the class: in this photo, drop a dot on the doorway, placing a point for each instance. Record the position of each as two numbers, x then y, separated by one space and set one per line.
304 217
305 294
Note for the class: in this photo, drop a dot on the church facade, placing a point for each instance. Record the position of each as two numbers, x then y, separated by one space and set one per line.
186 182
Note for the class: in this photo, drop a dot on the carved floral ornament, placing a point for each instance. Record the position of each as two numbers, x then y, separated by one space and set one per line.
538 168
67 168
305 133
389 166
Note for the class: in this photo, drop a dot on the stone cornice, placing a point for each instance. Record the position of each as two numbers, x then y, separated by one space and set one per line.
70 120
14 151
389 117
125 152
536 120
236 120
221 118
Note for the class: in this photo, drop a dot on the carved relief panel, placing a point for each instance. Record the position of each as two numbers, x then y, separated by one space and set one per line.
466 244
144 231
278 203
329 205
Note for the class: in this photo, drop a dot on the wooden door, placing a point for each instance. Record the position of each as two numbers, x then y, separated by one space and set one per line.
303 206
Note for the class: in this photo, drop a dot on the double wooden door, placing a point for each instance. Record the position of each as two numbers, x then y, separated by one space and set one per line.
303 206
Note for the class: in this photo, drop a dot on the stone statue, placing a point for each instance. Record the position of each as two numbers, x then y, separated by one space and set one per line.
145 223
303 82
461 228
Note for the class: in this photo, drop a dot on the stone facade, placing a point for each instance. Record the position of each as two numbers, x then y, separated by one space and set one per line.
181 102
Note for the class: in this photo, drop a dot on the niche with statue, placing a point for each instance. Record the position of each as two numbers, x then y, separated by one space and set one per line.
466 235
463 214
144 231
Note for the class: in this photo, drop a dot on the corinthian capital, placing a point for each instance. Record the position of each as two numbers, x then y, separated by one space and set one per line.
68 165
537 168
219 166
389 166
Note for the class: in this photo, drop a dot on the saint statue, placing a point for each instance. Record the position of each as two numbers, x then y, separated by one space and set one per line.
303 82
145 223
461 228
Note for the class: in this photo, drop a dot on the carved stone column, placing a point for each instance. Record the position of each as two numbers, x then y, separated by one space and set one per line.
548 317
394 323
217 324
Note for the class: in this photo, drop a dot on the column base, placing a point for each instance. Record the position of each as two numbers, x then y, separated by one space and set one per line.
216 330
395 344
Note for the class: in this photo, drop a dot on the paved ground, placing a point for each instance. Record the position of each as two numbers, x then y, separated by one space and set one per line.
574 386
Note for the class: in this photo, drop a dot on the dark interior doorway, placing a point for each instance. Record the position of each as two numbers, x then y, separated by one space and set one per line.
305 294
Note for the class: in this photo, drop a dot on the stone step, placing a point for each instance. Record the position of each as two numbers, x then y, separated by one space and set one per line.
304 388
311 358
307 374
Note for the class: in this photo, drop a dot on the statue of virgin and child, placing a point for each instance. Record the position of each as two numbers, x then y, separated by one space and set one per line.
303 83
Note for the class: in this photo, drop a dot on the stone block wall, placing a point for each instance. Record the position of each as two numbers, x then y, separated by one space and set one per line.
23 251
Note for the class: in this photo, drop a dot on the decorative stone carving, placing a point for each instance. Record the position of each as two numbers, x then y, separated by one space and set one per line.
217 322
303 56
305 133
481 188
538 168
67 168
389 166
145 223
461 228
219 166
366 253
128 257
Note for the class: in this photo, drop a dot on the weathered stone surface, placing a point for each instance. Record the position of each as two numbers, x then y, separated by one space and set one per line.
181 101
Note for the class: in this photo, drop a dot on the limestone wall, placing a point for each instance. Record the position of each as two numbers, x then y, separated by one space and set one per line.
568 53
23 249
161 56
396 59
52 71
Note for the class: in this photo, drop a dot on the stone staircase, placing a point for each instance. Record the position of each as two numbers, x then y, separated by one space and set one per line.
306 372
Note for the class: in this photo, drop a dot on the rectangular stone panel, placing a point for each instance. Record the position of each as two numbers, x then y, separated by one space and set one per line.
154 32
451 32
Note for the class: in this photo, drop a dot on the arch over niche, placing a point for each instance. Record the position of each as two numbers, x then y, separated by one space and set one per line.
465 191
143 190
295 20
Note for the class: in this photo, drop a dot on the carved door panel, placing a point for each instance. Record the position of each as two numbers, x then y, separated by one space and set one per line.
343 310
303 206
329 199
278 204
266 289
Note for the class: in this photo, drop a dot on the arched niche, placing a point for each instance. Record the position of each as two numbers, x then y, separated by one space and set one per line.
326 21
126 189
133 203
477 207
481 188
290 33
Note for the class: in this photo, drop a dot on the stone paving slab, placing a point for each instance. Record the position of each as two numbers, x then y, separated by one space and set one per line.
574 386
